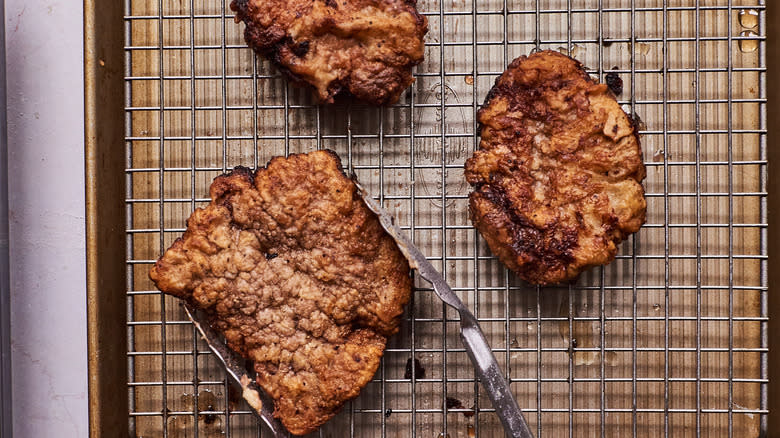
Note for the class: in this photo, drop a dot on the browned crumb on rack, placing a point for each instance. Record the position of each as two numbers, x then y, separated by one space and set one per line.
298 274
557 177
363 48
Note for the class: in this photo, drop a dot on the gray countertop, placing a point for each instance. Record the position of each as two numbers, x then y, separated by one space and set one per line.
47 245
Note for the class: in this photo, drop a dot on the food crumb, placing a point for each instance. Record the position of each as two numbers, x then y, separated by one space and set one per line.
419 371
250 395
454 403
614 82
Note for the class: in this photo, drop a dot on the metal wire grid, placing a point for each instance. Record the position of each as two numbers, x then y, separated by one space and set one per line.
555 343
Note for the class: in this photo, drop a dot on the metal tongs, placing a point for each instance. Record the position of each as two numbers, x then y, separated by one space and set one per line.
471 335
235 365
477 347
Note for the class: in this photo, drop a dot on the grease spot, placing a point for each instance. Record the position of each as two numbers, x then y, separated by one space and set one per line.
640 48
748 46
748 18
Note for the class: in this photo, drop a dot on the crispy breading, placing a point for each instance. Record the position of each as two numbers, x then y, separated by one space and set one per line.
298 274
557 177
363 48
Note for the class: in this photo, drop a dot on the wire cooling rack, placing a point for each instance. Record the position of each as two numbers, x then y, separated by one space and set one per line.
669 339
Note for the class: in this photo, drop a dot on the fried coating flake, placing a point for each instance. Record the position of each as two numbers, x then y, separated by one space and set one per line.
363 48
557 177
298 274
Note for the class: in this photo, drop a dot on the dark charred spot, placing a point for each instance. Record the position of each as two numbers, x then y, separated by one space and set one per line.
453 403
239 5
610 222
271 256
414 367
614 83
495 91
243 172
540 247
606 43
301 49
580 218
227 204
331 4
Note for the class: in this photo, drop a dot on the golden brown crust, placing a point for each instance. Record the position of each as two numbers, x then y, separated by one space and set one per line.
558 172
363 48
300 277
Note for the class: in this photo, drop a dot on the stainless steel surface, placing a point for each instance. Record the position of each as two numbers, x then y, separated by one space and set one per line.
486 367
235 366
6 410
670 339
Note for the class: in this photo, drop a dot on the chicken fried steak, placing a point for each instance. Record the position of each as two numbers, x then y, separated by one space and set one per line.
363 48
557 177
298 274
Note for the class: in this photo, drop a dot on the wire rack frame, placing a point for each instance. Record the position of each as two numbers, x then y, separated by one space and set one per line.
671 338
